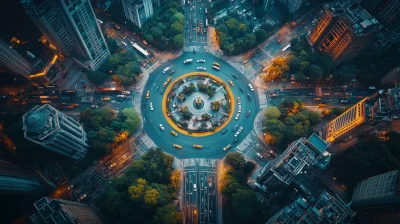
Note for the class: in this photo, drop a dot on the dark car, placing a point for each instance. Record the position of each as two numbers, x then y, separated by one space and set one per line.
249 97
171 72
235 128
234 76
241 90
235 140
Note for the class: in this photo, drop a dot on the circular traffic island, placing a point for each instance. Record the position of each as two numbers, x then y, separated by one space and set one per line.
197 110
198 103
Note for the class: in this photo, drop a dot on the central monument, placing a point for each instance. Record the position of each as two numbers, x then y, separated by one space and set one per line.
198 103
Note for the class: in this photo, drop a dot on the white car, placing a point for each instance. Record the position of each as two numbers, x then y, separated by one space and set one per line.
161 127
201 68
166 70
238 132
237 116
251 87
239 110
201 61
240 107
127 93
238 100
151 106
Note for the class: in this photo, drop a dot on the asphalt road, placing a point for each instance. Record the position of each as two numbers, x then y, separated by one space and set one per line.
194 13
213 144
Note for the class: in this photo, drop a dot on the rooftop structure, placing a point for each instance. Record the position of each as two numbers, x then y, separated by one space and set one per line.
56 131
344 30
298 157
325 209
383 189
55 211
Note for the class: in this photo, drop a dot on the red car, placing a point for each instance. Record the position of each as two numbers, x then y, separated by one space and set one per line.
279 41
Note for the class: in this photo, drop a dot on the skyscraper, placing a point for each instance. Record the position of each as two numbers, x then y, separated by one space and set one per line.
387 11
381 190
138 12
12 61
326 209
344 31
298 157
268 5
16 179
56 131
56 211
72 27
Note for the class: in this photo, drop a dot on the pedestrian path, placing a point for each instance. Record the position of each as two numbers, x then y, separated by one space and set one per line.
147 141
249 140
153 67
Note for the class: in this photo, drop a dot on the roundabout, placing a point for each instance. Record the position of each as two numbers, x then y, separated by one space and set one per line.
192 107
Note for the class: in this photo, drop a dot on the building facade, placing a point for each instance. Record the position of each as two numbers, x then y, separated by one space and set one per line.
12 61
297 158
56 211
392 77
54 130
387 11
268 5
15 179
343 31
325 209
383 189
138 12
72 27
293 5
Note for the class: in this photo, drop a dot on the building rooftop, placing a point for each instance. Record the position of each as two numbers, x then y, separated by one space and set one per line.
40 122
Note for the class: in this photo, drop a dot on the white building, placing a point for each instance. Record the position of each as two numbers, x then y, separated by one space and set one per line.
138 11
54 130
71 26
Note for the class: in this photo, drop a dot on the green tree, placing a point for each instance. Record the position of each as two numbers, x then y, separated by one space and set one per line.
136 191
97 77
175 178
272 112
242 202
151 197
178 41
168 215
132 119
276 129
261 35
215 105
315 73
236 160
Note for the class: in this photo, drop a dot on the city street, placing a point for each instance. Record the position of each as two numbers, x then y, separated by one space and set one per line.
200 201
195 22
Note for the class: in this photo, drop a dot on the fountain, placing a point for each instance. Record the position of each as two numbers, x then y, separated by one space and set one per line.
198 103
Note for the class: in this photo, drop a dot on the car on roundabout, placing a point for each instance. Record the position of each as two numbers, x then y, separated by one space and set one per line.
227 147
148 94
234 76
231 83
161 127
151 106
201 68
197 146
238 132
201 61
174 133
177 146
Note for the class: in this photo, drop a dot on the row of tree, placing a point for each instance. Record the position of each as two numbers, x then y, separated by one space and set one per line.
164 29
242 205
121 67
235 37
105 129
288 122
144 194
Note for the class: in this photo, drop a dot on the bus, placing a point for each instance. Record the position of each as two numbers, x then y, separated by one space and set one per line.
285 48
141 50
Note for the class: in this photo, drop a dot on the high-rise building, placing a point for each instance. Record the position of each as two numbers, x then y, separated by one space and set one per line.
392 77
17 179
71 26
326 209
344 30
383 189
384 40
138 11
293 5
56 131
268 5
298 157
387 11
12 61
56 211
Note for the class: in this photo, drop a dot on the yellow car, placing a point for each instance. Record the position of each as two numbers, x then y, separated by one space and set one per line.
227 147
174 133
198 146
177 146
166 82
148 94
230 82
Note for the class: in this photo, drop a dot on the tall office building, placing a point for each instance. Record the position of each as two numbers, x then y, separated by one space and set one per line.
56 211
344 30
293 5
383 189
387 11
56 131
16 179
326 209
138 12
71 26
268 5
392 78
298 157
12 61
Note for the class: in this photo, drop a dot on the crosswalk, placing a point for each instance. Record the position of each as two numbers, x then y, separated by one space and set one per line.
154 67
202 162
247 142
146 140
